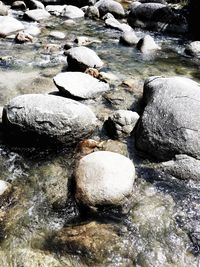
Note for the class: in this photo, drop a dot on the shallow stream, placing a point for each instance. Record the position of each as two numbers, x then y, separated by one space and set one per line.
39 229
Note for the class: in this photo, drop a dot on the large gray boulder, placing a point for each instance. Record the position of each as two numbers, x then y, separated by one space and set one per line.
48 116
170 123
193 49
36 14
79 85
81 58
157 17
110 6
104 178
9 25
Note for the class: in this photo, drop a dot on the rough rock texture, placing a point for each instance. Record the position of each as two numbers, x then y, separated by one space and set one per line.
112 174
121 123
9 25
115 24
183 167
81 58
129 38
61 119
156 16
170 123
80 85
193 49
36 14
147 44
110 6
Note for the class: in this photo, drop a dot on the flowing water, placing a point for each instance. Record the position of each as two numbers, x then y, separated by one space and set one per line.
40 224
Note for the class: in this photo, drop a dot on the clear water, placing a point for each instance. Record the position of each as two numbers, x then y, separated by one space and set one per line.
163 226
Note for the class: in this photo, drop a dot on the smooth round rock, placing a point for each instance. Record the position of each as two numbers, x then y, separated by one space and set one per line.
48 116
79 85
104 178
81 58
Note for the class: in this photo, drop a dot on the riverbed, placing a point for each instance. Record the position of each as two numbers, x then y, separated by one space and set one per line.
162 227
